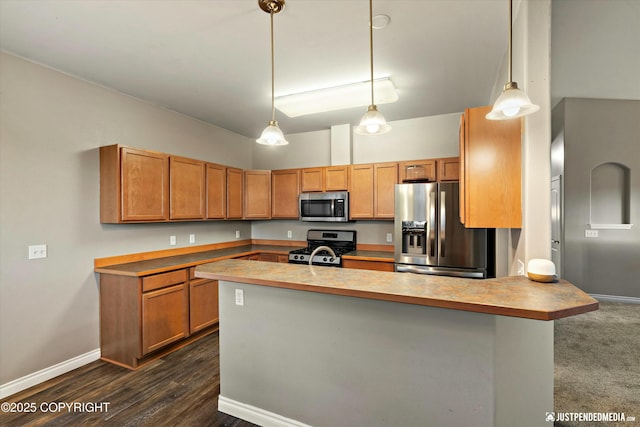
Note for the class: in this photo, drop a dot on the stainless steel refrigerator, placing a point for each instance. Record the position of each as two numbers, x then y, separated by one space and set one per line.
430 239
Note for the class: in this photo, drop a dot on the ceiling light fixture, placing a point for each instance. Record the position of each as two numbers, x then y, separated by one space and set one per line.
336 98
272 135
373 122
512 102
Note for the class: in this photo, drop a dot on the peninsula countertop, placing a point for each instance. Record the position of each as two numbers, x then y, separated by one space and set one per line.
514 296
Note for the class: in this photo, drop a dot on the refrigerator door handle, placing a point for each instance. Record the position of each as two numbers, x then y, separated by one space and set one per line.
431 236
443 224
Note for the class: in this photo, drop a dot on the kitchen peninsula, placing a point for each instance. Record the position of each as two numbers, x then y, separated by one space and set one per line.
296 347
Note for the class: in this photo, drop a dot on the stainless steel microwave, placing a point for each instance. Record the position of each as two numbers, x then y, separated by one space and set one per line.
327 206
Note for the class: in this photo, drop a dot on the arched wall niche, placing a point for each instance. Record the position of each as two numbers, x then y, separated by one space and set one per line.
610 198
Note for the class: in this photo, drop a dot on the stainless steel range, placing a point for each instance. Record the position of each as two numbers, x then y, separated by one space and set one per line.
326 247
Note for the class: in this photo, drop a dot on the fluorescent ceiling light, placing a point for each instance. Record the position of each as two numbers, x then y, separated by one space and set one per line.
336 98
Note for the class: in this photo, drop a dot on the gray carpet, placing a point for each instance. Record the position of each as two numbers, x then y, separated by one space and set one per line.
597 363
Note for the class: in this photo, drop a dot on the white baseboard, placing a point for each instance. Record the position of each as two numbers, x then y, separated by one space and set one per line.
615 298
255 415
43 375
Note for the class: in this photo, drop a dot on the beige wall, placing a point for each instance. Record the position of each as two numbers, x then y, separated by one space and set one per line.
51 127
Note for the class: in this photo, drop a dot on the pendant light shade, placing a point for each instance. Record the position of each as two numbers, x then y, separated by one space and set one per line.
272 135
512 102
373 122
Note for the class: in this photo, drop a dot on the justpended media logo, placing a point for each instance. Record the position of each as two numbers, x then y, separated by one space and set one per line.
588 416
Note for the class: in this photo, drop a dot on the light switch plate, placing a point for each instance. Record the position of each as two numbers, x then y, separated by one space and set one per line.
239 297
172 240
389 237
192 238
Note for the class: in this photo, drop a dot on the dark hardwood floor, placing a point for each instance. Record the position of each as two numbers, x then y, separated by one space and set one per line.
180 389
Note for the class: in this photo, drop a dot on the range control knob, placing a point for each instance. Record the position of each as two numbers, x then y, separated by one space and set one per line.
324 259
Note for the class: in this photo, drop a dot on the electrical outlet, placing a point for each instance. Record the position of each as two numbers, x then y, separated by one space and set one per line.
172 240
37 251
239 297
237 234
289 234
192 238
389 237
590 233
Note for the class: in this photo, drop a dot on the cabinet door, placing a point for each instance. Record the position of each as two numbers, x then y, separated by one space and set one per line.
385 180
492 171
417 170
145 185
165 317
187 188
312 179
216 191
285 188
235 193
368 265
257 194
361 192
463 174
449 169
336 178
203 304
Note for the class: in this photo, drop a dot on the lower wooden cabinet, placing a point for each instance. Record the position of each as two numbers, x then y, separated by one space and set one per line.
165 317
142 318
368 265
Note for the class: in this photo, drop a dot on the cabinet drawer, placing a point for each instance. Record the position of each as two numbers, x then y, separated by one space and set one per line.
161 280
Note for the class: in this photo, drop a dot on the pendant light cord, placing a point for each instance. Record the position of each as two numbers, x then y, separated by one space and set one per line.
371 45
510 79
273 108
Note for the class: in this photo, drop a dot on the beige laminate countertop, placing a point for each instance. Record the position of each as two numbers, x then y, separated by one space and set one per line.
159 265
514 296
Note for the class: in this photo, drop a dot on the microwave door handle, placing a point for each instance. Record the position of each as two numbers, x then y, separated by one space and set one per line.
443 224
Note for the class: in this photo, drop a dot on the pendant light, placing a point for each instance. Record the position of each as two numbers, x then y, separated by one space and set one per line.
373 122
272 135
512 102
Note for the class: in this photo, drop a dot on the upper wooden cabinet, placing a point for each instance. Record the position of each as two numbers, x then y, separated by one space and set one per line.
285 188
257 194
312 179
372 190
216 191
490 161
328 178
235 193
361 192
449 169
187 188
414 170
385 178
134 185
336 178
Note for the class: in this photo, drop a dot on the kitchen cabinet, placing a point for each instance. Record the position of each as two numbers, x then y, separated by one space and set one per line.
235 193
285 188
187 196
216 189
203 302
142 318
361 192
368 265
372 191
385 178
448 169
312 179
336 178
417 170
134 185
490 165
257 194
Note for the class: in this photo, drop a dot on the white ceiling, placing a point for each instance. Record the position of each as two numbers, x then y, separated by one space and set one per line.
211 59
